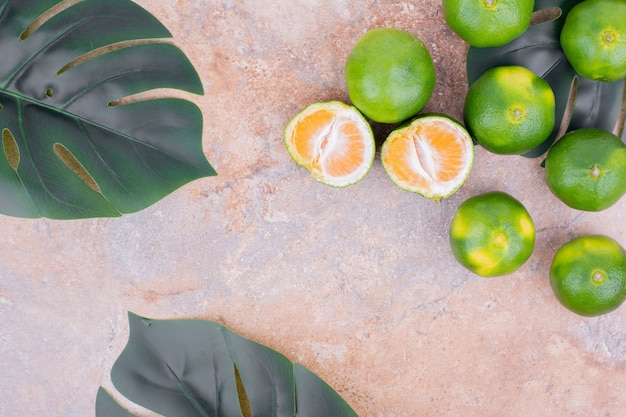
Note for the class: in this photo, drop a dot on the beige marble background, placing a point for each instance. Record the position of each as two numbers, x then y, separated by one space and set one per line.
358 284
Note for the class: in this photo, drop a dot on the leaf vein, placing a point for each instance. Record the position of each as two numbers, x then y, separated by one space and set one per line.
535 46
94 86
181 385
37 171
95 124
51 41
95 150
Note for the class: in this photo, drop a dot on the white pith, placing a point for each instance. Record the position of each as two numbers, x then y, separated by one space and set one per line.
427 162
326 144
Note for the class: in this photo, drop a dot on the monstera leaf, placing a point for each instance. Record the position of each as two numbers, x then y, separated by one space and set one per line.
200 368
595 104
76 144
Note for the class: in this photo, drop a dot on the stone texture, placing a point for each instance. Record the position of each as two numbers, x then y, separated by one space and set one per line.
358 284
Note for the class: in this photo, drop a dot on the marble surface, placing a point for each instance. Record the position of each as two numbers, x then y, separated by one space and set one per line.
357 284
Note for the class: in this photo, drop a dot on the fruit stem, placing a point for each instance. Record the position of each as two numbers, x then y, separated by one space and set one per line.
500 239
609 37
598 277
594 172
516 115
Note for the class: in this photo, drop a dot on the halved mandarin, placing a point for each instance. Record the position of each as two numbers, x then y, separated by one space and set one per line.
333 141
432 155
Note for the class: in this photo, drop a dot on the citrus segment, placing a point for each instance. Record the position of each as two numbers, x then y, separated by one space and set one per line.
432 156
333 141
307 133
492 234
588 275
390 75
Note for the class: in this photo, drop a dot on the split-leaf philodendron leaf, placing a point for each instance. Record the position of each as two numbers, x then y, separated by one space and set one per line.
201 368
71 146
597 104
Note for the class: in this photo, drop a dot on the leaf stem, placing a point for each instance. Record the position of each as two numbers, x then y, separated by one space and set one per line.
619 124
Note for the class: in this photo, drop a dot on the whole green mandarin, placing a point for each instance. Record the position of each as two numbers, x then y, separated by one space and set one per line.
586 169
588 275
594 39
492 234
510 110
390 75
488 23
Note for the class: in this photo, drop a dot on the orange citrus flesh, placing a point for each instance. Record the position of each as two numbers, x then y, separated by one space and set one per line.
431 156
333 141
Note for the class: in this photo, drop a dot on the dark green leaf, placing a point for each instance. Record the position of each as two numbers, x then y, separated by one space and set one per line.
73 147
200 368
320 398
267 376
597 104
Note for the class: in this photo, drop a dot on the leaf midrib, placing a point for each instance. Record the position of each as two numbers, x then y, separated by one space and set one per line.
21 97
27 62
81 120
